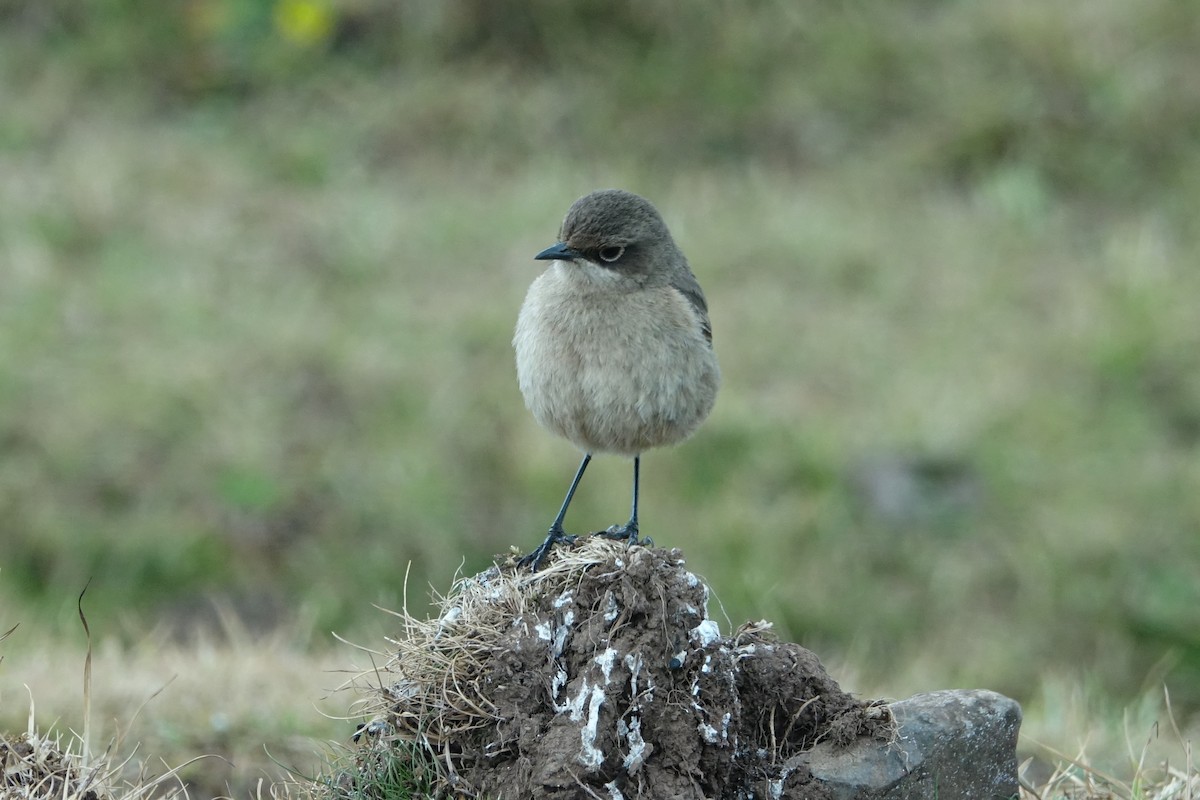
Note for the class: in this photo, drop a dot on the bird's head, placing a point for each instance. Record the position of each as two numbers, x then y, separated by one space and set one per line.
618 231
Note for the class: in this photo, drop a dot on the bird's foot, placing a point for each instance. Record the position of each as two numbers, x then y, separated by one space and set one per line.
535 559
627 532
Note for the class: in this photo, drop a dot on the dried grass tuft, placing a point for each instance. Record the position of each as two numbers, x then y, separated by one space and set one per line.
41 766
1076 779
35 766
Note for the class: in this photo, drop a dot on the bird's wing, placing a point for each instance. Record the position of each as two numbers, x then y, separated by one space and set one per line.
686 284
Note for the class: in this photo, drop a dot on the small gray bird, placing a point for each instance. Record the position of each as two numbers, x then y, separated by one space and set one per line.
614 346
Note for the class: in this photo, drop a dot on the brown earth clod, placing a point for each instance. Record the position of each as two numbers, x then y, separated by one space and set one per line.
602 675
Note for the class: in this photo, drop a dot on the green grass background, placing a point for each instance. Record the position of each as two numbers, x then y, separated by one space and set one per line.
260 264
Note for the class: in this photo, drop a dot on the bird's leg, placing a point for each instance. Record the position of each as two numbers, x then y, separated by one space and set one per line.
629 531
556 534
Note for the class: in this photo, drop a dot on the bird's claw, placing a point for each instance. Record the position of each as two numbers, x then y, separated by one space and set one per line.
627 532
535 559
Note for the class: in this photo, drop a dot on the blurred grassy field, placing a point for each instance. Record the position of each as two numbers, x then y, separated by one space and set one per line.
261 263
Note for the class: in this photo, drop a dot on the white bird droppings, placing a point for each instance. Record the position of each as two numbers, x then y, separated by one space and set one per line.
605 662
638 749
706 633
590 755
611 609
633 662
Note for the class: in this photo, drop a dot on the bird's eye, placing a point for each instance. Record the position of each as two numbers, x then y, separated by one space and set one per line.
611 254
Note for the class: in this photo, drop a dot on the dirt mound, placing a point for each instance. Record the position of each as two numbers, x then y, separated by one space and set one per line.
602 676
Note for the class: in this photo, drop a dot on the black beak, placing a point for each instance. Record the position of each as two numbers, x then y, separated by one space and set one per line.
558 252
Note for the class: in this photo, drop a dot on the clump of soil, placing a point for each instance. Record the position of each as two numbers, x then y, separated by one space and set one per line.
602 675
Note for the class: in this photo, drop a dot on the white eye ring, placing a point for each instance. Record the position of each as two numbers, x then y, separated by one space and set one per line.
611 253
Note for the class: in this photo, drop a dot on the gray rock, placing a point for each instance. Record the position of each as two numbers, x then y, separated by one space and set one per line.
948 745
